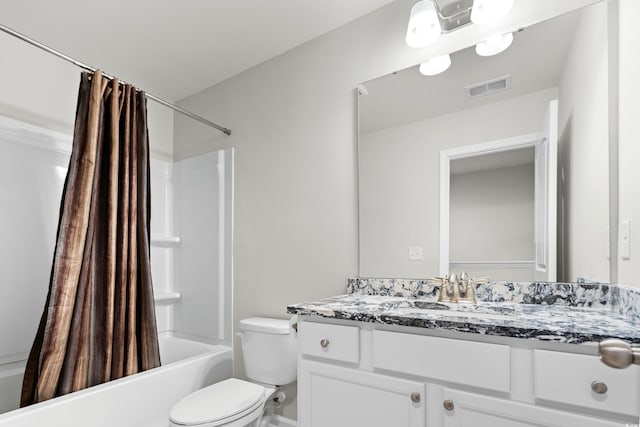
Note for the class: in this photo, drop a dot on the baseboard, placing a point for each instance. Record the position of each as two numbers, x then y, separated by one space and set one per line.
278 421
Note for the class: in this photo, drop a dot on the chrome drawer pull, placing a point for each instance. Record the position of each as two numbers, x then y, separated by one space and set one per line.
415 397
448 405
324 343
618 354
599 387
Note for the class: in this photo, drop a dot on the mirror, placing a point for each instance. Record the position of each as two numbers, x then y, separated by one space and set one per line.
489 221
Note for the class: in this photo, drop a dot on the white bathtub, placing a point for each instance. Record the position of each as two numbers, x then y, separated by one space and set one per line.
142 400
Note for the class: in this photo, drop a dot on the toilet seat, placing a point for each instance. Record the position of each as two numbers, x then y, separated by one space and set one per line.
218 404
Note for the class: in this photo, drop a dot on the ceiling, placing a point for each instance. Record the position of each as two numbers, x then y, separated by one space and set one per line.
534 61
175 48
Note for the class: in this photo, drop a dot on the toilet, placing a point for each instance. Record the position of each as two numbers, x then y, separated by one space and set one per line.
269 354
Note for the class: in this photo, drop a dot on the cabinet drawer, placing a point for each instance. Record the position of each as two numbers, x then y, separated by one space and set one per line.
464 362
333 342
567 378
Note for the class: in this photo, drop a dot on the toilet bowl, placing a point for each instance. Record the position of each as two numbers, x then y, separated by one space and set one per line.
269 354
229 403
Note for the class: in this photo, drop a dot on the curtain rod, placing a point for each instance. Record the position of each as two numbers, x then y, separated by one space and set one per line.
92 69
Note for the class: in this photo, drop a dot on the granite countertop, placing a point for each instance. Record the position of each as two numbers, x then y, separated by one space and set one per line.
563 320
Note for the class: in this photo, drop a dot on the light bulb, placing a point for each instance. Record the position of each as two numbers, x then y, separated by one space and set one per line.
494 44
436 65
489 11
424 25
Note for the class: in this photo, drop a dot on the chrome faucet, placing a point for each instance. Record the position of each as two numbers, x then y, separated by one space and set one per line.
450 288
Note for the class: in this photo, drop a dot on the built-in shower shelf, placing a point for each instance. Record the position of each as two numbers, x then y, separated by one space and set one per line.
165 241
167 297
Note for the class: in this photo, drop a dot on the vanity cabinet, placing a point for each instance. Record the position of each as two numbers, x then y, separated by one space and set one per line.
353 374
336 393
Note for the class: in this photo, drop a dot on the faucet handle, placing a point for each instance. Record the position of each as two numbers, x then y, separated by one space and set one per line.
464 277
469 293
444 287
444 292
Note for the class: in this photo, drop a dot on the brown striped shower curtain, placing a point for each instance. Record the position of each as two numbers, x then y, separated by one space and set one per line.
99 320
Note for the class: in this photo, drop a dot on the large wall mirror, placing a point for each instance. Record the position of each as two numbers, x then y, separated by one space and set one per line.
499 166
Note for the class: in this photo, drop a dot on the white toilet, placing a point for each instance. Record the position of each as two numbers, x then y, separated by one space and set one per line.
269 354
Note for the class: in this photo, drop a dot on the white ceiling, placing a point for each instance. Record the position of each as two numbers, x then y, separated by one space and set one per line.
175 48
534 61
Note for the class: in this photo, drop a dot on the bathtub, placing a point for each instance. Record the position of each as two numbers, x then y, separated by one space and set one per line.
142 400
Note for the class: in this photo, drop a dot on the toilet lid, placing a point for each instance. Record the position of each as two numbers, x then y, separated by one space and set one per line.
220 401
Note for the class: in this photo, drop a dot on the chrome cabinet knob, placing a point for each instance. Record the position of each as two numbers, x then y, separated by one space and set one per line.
324 343
415 397
599 387
618 354
448 405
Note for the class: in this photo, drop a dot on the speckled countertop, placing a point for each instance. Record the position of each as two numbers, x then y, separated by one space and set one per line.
566 313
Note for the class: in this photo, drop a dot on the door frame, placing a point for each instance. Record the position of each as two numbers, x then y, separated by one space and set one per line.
446 156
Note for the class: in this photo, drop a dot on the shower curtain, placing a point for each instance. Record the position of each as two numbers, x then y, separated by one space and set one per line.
99 320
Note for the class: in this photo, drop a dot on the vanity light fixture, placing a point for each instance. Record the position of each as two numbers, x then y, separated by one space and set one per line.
494 44
436 65
486 12
424 24
431 18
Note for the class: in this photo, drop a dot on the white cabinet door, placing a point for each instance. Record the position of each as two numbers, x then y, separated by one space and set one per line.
333 396
474 410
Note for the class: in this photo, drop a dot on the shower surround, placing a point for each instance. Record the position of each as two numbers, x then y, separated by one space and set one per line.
190 255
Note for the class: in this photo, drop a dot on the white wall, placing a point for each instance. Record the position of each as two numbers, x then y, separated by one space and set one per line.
492 219
583 182
203 277
629 128
400 179
32 173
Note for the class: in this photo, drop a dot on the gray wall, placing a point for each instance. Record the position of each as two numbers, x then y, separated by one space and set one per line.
492 219
294 131
583 163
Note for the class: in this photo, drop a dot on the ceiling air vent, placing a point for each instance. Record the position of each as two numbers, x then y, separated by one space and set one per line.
491 86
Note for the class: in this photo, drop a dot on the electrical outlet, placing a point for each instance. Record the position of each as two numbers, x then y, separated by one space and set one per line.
415 253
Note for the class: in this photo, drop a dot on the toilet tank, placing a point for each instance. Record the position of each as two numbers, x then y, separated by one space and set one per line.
269 350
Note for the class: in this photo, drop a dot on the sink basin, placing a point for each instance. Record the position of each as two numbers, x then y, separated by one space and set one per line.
468 314
472 311
428 305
